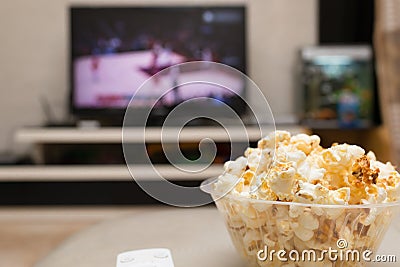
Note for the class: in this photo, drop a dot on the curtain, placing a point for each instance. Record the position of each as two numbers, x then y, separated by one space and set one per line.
387 50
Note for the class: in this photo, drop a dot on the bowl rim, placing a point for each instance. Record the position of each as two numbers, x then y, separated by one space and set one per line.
207 187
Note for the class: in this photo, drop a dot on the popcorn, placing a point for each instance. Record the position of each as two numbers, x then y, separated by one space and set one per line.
252 241
252 218
310 172
309 193
297 172
306 143
295 211
282 182
340 196
308 221
301 232
296 168
236 167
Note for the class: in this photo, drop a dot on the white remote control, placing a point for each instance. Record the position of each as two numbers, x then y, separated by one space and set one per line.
156 257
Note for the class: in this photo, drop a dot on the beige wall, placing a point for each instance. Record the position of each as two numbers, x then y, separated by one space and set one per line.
33 54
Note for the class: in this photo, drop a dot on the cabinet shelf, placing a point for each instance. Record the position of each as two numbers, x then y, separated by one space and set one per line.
102 173
135 135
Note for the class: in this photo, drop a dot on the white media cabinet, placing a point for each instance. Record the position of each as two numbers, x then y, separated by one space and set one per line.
113 135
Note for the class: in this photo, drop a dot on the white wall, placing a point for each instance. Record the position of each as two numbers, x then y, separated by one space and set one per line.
33 53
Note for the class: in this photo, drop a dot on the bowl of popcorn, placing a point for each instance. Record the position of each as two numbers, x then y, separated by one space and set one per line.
290 202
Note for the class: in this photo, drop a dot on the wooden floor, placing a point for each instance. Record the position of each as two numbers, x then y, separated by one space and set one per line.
29 234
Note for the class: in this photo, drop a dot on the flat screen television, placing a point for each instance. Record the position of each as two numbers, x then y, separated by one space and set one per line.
113 50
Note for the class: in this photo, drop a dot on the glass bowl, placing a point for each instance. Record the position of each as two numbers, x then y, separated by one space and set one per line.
274 233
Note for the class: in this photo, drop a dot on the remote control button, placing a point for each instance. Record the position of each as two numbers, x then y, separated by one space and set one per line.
126 259
143 265
161 255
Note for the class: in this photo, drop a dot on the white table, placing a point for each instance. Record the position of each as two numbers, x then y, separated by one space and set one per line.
196 236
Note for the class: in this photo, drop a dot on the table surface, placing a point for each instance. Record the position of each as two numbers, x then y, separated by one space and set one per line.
197 237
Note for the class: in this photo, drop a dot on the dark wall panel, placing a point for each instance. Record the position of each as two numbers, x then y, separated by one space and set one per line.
346 21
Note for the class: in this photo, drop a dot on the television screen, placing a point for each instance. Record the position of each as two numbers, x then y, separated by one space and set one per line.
114 50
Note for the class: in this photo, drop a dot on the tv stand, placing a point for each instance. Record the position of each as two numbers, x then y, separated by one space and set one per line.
39 137
104 184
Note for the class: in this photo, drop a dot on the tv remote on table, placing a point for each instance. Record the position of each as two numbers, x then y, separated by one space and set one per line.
156 257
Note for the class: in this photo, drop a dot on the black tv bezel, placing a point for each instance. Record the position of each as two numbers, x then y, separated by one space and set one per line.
107 113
